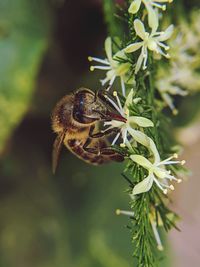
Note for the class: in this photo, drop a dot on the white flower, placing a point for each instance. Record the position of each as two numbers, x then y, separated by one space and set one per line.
157 172
149 4
131 121
152 41
168 83
113 67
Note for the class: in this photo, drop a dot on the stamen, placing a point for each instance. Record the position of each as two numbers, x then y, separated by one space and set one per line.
118 101
123 87
183 162
92 68
175 155
104 81
165 161
175 111
122 145
125 135
163 7
160 186
125 212
115 139
171 187
157 236
168 186
145 56
112 80
158 33
166 47
103 61
114 104
171 162
159 50
171 177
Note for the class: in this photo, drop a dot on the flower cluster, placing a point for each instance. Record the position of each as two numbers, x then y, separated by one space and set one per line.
117 65
153 15
181 76
113 67
130 64
129 132
129 127
150 41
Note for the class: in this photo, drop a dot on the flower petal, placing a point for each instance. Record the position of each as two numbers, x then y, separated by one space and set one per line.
133 47
154 150
139 28
143 186
134 7
139 137
120 54
139 62
152 18
163 1
141 121
108 48
122 69
129 99
110 74
160 173
167 34
142 161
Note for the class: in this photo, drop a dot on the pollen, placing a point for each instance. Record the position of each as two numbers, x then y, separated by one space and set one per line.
175 112
183 162
165 191
171 187
175 155
90 58
160 248
91 68
118 212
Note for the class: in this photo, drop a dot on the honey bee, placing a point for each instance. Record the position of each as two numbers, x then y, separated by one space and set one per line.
75 118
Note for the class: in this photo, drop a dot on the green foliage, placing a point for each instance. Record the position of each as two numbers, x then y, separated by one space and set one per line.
24 27
114 27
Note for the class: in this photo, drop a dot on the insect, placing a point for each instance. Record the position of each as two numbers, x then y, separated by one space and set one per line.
75 119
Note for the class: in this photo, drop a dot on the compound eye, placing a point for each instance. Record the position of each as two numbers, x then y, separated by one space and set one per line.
82 118
82 112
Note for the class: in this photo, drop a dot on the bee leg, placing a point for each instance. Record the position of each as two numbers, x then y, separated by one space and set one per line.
92 150
106 151
101 133
113 154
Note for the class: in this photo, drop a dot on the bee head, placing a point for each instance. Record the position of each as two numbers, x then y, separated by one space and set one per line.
90 107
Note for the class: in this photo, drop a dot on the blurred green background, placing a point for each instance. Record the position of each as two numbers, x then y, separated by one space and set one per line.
67 219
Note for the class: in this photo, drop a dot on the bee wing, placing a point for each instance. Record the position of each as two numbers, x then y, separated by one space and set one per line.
56 150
